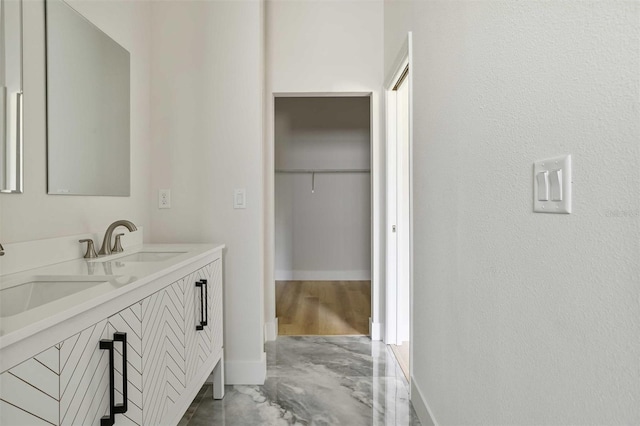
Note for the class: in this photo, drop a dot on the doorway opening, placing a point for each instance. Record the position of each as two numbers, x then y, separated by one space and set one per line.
322 206
399 208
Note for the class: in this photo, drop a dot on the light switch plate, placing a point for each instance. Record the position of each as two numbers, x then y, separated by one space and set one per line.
552 165
240 199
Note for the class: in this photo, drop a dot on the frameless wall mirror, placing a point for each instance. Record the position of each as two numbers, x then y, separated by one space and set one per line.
87 107
11 96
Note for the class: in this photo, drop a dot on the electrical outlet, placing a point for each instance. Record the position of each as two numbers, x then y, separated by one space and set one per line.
164 199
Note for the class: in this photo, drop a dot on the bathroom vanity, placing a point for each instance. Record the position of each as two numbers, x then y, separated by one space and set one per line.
122 339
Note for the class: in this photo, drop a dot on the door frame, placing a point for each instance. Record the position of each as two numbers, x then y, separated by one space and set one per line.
377 190
403 62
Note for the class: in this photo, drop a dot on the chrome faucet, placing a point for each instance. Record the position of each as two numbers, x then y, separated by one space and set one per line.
106 242
1 250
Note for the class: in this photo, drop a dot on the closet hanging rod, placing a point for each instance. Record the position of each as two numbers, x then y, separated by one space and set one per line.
323 171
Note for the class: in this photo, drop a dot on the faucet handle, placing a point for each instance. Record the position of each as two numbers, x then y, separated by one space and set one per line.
91 252
117 246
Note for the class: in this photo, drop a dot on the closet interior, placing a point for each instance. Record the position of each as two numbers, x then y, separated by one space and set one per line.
323 215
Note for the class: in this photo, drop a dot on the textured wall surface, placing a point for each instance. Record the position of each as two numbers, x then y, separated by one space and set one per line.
524 318
35 215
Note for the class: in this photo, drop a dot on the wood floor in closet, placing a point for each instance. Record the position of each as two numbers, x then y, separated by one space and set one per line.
323 307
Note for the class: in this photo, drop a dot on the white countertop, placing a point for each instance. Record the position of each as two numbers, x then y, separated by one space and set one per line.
115 277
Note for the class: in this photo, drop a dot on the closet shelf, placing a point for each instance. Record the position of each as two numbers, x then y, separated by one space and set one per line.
323 171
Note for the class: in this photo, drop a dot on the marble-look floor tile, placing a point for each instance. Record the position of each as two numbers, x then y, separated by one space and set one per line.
317 381
344 356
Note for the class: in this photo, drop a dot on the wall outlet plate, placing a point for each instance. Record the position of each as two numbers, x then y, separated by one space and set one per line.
552 165
164 198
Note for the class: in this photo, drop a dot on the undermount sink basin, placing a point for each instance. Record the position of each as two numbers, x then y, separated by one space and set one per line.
39 290
149 256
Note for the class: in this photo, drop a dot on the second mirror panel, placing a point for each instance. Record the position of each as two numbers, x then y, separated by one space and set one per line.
87 107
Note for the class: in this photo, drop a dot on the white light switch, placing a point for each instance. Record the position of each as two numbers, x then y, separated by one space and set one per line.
556 185
552 185
239 199
543 185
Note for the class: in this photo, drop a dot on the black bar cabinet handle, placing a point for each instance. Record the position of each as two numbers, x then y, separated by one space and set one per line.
114 408
206 299
109 420
200 327
122 408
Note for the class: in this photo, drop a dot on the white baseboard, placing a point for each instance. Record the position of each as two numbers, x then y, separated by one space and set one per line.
420 405
271 330
296 275
245 372
282 275
375 330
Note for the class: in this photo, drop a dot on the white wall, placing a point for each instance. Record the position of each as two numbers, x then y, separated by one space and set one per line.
207 85
523 318
36 215
324 234
319 46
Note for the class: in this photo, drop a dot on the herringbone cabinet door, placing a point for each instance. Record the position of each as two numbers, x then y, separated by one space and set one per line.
128 321
199 343
163 353
84 371
84 377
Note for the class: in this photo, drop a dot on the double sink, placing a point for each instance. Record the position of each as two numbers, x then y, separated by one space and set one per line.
27 292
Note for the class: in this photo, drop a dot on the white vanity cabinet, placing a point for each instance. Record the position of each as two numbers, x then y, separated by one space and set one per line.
173 342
